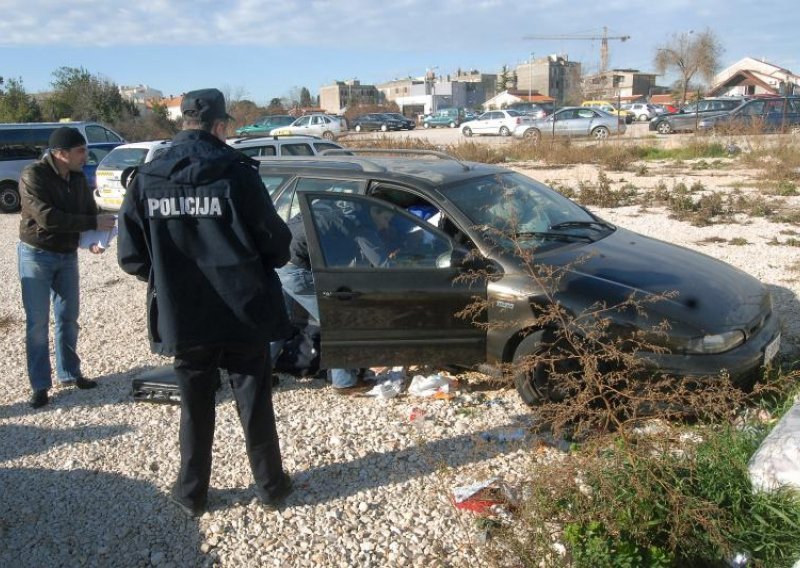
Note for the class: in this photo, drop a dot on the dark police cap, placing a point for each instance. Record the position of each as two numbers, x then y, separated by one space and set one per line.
205 105
65 138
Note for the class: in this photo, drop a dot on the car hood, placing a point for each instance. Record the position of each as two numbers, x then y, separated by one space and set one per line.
711 295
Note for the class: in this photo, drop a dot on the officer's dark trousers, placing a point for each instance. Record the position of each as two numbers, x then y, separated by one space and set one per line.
197 372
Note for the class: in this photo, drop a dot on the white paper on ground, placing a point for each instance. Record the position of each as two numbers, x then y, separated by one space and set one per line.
777 461
428 386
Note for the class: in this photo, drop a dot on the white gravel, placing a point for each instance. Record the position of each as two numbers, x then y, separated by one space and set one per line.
83 481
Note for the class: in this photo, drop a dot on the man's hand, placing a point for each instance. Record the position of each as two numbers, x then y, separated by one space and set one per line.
96 249
105 222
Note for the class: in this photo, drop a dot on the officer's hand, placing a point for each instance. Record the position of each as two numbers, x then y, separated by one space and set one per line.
105 222
96 249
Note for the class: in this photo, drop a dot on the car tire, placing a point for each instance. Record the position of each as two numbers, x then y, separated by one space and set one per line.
384 128
357 128
504 131
533 385
532 134
9 197
600 133
643 117
453 125
664 127
467 131
328 135
426 125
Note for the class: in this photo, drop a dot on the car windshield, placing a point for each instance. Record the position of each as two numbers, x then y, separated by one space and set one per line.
511 210
121 158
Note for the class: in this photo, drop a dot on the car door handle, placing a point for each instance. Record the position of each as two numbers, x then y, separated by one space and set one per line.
343 294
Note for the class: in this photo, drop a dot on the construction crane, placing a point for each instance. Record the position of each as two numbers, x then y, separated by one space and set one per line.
603 43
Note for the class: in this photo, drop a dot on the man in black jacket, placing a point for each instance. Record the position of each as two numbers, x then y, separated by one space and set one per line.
56 206
197 224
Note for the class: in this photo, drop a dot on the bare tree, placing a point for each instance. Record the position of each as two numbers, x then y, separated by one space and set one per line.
690 53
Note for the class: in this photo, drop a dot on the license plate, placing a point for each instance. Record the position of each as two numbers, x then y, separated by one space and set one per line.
772 349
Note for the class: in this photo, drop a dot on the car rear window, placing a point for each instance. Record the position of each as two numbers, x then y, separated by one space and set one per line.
121 158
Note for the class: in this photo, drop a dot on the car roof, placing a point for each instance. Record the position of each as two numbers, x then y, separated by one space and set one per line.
390 165
149 144
245 140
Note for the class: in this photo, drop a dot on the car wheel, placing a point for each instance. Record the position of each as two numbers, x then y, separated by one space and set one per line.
328 135
9 198
643 117
664 127
358 128
504 131
384 128
533 381
453 125
532 134
426 125
467 131
600 132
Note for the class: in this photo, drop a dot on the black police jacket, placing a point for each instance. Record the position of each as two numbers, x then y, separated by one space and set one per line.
198 225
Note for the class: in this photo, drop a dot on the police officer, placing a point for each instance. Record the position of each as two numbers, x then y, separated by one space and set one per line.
198 225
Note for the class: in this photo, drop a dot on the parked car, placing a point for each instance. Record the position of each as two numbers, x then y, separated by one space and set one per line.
571 121
534 110
282 145
376 121
408 123
665 108
721 318
763 114
642 111
265 124
22 143
606 106
502 122
451 117
688 117
110 190
313 124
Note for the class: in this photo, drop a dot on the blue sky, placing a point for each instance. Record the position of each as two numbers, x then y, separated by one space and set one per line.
259 49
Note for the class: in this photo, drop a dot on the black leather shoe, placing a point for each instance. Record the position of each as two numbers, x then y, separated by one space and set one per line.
192 510
39 398
276 499
84 383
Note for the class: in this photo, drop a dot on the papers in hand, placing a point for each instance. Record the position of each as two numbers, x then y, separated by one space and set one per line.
96 237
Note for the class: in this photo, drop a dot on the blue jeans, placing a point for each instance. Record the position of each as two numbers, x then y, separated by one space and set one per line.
47 277
298 285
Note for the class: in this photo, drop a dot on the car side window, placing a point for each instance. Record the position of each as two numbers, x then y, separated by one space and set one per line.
361 233
111 137
317 120
272 183
304 121
319 184
95 134
322 146
586 113
296 150
250 152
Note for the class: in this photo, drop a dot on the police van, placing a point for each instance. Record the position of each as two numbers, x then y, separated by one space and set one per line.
22 143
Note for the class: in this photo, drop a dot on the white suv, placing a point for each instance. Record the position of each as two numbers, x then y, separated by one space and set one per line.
109 192
502 122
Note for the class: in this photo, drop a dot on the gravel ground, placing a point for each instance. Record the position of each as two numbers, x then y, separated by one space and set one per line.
83 481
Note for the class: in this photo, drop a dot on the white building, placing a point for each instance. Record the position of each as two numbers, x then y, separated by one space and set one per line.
140 94
751 76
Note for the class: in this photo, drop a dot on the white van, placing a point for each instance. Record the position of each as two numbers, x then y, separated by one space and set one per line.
109 192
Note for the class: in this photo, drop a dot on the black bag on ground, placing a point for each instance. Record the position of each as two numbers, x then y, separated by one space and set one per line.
156 385
300 354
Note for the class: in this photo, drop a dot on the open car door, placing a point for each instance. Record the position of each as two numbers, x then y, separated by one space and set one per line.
388 286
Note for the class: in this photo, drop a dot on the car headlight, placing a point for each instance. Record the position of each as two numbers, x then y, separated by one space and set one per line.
717 343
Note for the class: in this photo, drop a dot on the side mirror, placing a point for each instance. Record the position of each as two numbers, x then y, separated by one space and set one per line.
471 260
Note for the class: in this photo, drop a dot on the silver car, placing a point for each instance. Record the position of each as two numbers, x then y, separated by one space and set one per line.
571 121
328 127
